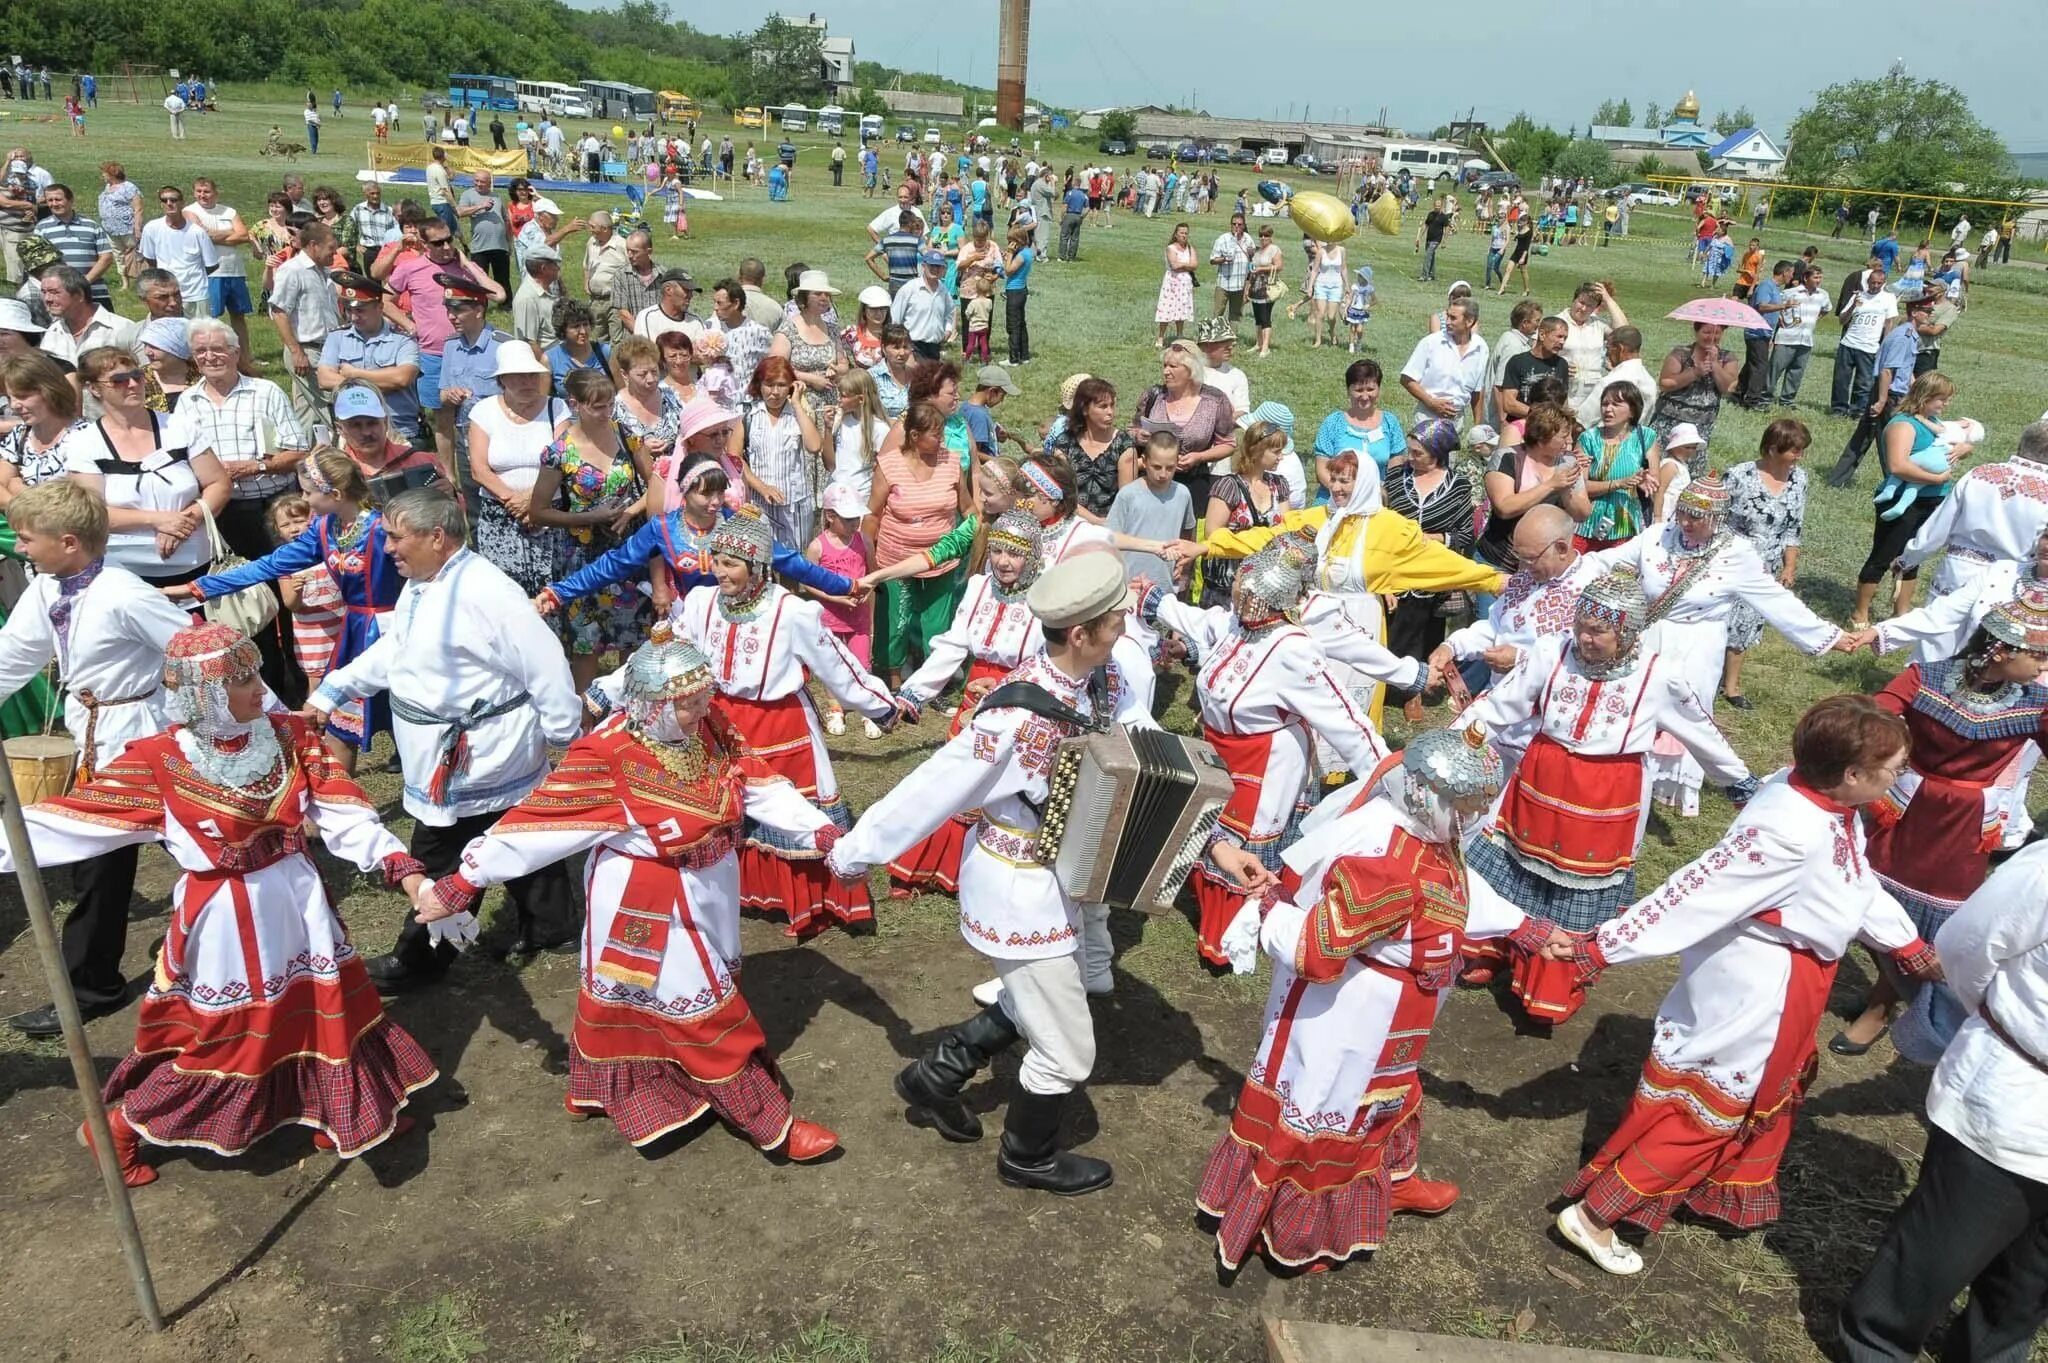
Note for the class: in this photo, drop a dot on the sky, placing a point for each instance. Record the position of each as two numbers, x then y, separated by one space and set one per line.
1507 54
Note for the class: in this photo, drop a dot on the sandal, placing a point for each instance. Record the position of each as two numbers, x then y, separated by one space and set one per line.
1614 1257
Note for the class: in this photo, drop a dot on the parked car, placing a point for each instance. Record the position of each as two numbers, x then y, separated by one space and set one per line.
1158 151
1305 163
1276 156
1498 180
1113 146
1655 198
931 137
905 135
1188 151
1244 156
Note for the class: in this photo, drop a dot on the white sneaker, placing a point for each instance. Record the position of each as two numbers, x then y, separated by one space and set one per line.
987 992
868 727
1615 1257
835 723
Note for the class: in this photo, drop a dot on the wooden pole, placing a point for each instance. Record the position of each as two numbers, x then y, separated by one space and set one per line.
35 898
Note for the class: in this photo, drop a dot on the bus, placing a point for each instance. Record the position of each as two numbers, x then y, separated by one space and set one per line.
613 99
795 118
1425 161
749 117
832 120
553 97
870 127
484 92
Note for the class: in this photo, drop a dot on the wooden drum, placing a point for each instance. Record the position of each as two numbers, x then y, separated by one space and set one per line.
43 765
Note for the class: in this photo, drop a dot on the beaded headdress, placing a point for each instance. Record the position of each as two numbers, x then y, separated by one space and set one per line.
199 665
1705 496
666 668
1019 531
1453 764
1272 582
1616 598
747 536
2022 622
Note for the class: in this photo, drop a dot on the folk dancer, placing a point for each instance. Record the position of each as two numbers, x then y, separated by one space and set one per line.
657 797
1563 841
1012 908
106 629
1540 601
674 553
479 691
1990 516
1322 1147
1978 1217
1265 691
1934 832
1695 572
993 631
347 537
765 646
1759 923
260 1014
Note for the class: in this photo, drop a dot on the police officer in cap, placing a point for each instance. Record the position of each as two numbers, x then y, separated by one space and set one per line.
469 364
370 350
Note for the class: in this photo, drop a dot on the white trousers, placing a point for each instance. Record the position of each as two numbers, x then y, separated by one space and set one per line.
1097 951
1046 1000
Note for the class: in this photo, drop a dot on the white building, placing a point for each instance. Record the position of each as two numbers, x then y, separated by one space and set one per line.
1748 155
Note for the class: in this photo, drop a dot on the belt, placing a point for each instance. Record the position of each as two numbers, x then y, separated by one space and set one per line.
706 852
454 752
369 610
93 705
1984 1012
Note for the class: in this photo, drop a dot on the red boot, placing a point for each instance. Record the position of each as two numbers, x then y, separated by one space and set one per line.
808 1141
1424 1197
127 1148
579 1114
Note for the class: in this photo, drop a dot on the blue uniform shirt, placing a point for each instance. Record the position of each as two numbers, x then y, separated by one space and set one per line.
385 350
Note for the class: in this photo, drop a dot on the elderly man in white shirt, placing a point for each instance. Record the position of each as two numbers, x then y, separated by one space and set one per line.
1978 1218
1446 374
924 308
1624 365
480 689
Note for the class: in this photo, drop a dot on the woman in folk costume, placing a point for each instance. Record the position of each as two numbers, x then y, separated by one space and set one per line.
1322 1148
765 645
1265 691
260 1014
992 631
347 535
1759 924
1933 833
1363 552
657 797
1563 841
1695 572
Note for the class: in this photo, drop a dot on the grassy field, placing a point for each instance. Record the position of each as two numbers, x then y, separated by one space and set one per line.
524 1239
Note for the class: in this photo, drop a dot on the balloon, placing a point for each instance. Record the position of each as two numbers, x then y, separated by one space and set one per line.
618 131
1272 191
1385 215
1321 216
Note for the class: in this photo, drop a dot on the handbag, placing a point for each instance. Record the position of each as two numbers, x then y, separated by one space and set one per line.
252 611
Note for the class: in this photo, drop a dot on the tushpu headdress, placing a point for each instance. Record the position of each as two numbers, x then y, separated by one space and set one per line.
2022 622
1616 598
199 664
1272 582
747 536
1441 769
1020 531
1705 496
666 668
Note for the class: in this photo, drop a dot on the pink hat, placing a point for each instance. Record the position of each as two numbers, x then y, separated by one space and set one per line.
700 415
843 499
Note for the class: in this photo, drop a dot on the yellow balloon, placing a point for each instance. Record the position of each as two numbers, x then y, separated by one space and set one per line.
1321 216
618 131
1385 215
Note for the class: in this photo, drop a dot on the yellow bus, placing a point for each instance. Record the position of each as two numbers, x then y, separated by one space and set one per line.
677 107
749 117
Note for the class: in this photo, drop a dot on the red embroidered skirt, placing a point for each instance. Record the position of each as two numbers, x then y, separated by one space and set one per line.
783 881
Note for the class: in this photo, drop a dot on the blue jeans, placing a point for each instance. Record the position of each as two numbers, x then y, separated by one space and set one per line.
1855 371
1493 270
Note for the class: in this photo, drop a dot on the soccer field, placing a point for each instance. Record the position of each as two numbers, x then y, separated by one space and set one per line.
500 1231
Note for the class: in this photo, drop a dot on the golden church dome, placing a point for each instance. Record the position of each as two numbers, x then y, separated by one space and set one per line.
1689 107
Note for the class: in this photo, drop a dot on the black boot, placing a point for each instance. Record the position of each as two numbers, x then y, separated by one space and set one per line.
1031 1157
932 1085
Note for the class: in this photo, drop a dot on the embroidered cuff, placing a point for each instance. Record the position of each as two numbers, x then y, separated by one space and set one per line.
1918 961
904 697
1148 605
398 866
328 697
828 837
453 892
1531 936
1588 959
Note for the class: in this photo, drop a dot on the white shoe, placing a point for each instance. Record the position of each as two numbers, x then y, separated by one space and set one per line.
987 992
835 723
868 727
1615 1257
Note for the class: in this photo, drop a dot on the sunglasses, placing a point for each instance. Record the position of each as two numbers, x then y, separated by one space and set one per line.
124 378
170 199
437 241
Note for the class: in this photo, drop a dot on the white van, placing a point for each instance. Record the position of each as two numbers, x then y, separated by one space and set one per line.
870 127
569 106
796 118
832 120
931 137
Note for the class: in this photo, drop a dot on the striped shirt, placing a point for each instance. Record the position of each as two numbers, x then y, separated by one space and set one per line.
256 419
917 513
775 451
81 242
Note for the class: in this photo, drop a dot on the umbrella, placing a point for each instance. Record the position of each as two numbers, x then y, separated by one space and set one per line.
1720 312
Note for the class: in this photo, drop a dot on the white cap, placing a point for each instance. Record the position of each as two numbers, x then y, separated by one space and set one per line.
1683 436
874 296
517 357
843 499
548 206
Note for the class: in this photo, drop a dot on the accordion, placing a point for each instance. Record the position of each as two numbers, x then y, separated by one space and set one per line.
1128 813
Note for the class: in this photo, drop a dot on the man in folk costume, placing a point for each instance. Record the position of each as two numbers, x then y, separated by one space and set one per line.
1012 908
1563 842
1989 517
766 645
993 631
1266 691
1322 1148
1540 601
657 797
1363 552
1696 571
1759 923
479 690
260 1014
106 629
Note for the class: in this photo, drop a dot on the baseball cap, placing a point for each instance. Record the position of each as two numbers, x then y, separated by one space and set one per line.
843 499
543 253
548 206
874 296
995 376
675 275
937 258
358 399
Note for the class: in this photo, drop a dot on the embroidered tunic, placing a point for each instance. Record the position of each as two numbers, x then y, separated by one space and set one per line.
1993 514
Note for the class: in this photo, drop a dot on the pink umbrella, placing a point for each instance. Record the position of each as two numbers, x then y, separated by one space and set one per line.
1720 312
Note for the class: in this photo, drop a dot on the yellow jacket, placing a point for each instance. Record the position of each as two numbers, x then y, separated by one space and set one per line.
1398 557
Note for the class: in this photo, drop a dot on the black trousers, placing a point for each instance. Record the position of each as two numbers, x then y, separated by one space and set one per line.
1868 424
498 265
838 172
1888 539
1013 319
543 902
1967 1223
96 933
247 530
1414 629
1755 383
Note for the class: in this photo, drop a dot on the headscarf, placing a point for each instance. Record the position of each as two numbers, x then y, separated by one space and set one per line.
1365 501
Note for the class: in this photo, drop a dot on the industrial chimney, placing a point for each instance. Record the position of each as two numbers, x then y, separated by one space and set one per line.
1013 47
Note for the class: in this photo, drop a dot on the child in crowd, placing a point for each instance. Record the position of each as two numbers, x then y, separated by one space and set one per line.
714 371
841 547
858 434
312 596
1155 506
977 288
1719 255
1358 310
